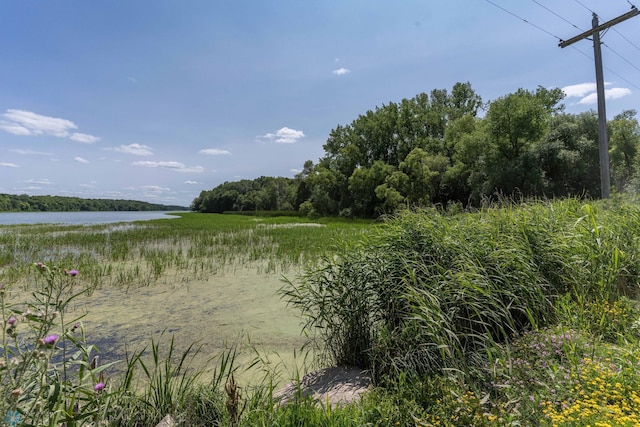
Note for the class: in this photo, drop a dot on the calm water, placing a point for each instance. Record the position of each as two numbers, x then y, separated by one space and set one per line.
78 218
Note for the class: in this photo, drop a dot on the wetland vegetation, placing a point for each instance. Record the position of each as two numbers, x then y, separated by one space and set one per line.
513 314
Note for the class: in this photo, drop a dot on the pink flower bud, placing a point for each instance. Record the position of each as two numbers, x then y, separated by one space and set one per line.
50 339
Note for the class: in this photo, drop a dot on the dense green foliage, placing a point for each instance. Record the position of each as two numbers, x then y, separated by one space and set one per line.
24 203
261 194
511 315
437 149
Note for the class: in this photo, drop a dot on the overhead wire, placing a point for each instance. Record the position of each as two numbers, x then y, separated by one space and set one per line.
609 70
583 5
556 14
621 57
560 39
524 20
628 41
607 46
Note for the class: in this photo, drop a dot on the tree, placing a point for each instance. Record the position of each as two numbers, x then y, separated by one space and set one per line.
516 123
624 139
521 118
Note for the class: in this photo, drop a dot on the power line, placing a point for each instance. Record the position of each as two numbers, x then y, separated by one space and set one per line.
561 40
586 55
620 56
628 41
582 4
522 19
561 17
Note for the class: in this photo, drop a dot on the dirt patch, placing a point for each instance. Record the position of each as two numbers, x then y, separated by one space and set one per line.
329 386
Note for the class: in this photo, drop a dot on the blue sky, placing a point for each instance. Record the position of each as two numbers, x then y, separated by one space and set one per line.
157 100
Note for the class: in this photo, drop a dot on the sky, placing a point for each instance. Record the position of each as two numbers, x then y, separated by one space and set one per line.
158 100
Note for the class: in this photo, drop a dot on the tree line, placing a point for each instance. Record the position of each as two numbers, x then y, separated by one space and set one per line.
447 147
25 203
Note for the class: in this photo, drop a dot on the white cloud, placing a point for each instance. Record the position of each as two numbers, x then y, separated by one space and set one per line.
215 152
155 188
579 90
80 160
38 181
8 165
29 152
284 135
613 93
174 166
191 182
84 138
135 149
588 95
341 71
27 123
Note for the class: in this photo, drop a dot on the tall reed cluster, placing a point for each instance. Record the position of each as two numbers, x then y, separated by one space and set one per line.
430 291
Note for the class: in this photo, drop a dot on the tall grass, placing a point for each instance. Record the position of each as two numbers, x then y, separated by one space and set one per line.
511 315
431 292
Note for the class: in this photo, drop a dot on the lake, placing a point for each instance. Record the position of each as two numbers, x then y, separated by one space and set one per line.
80 218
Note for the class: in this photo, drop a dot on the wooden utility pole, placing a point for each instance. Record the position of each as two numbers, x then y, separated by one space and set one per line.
605 178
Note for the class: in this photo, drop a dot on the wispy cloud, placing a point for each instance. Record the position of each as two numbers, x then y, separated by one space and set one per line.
283 135
215 152
587 92
8 165
613 93
155 188
174 166
81 160
38 181
341 71
579 90
29 152
27 123
84 138
191 182
135 149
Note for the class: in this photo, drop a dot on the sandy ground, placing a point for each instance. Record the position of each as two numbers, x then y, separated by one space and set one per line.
329 386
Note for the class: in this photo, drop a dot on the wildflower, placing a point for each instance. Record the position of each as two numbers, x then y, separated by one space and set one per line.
99 387
48 340
73 272
12 321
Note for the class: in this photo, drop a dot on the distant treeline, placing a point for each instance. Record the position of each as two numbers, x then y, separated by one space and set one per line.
438 149
25 203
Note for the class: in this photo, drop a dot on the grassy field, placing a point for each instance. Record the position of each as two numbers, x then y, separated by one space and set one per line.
517 314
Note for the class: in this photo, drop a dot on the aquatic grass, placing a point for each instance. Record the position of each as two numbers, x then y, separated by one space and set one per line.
202 243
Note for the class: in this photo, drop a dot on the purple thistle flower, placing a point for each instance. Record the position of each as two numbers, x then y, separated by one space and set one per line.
12 321
73 272
99 387
50 339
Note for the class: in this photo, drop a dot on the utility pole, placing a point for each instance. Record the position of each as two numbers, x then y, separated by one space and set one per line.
605 178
